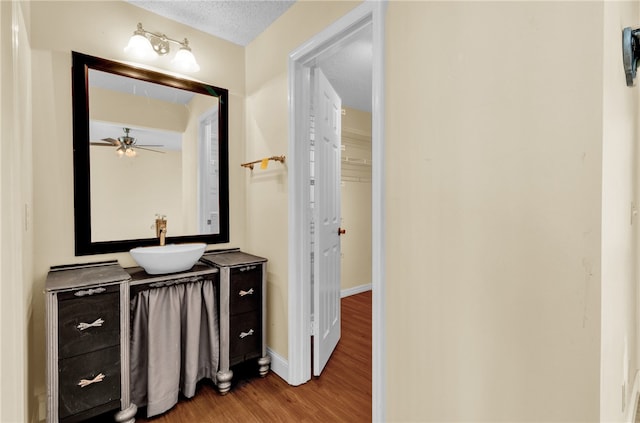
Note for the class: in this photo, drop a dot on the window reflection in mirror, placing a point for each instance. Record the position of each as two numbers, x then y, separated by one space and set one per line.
146 144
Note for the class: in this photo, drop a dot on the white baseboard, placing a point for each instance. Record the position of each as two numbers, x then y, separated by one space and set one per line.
632 408
279 365
355 290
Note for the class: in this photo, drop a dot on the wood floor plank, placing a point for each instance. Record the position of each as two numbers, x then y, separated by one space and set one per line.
341 394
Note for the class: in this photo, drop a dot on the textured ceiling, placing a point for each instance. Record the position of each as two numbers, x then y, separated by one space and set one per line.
350 71
238 21
241 21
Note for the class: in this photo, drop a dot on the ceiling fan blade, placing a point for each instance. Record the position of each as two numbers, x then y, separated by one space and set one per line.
113 141
101 144
148 149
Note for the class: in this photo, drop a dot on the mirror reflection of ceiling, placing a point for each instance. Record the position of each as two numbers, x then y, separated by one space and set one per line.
134 86
163 139
241 21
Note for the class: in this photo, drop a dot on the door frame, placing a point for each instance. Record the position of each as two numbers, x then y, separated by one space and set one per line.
300 60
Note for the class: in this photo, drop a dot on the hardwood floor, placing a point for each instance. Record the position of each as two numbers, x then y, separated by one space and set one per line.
341 394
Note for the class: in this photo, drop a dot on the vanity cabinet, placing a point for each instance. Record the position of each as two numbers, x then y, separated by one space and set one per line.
89 329
86 342
242 312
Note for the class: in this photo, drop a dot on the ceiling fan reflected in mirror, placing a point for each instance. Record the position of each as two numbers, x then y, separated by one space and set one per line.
125 144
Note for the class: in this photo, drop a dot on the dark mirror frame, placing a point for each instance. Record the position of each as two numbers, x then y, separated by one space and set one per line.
81 64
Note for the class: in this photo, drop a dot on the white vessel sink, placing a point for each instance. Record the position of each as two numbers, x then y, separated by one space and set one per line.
168 258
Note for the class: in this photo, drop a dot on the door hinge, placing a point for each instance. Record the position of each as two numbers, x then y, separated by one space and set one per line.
313 326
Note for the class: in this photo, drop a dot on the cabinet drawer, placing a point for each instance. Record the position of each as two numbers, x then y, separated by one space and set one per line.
73 398
88 323
245 290
245 337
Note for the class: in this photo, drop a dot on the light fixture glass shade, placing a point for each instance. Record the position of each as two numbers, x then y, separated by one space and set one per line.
140 47
185 61
130 152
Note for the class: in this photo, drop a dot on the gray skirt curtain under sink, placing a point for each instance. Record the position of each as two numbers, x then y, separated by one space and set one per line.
174 343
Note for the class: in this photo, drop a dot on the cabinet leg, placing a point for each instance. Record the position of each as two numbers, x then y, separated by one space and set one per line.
128 415
223 378
263 365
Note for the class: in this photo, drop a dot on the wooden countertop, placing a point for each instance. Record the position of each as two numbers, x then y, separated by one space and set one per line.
75 276
231 258
110 272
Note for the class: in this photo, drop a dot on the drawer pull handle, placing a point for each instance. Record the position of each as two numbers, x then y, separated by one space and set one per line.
243 293
87 382
244 269
97 323
245 334
90 291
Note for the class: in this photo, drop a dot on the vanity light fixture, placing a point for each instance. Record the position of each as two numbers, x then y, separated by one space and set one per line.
630 53
146 45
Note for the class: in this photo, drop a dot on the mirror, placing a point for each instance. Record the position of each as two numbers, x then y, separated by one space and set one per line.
145 144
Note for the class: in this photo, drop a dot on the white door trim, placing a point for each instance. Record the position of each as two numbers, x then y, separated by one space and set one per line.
369 12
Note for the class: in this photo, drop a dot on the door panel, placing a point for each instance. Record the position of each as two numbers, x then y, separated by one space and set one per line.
326 286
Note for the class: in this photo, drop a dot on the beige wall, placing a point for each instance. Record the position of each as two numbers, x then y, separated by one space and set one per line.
102 29
356 199
493 190
267 135
619 250
143 186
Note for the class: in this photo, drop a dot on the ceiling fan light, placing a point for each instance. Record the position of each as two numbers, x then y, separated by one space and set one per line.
120 151
140 47
185 61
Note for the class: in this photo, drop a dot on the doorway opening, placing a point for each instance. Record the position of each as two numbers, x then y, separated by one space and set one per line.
301 61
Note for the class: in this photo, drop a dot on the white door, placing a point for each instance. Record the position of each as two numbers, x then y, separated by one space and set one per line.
209 206
326 286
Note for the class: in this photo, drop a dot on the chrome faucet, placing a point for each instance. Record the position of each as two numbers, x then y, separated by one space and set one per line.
161 228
